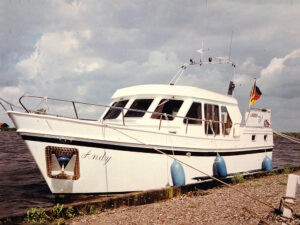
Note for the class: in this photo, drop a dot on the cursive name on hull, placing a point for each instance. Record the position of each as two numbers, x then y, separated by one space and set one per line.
93 156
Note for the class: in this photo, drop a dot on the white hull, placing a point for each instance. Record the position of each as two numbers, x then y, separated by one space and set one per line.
120 159
122 171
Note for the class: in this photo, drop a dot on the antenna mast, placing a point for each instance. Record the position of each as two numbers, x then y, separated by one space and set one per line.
229 55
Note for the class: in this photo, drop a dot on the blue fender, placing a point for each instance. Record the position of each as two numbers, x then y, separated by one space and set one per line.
177 173
220 166
267 164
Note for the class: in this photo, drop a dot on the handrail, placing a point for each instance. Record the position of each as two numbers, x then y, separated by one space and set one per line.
75 110
186 126
3 106
123 119
57 99
12 106
161 115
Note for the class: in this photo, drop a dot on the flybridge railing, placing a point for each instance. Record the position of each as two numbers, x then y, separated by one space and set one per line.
161 116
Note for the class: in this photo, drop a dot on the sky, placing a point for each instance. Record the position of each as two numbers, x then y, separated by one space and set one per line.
85 50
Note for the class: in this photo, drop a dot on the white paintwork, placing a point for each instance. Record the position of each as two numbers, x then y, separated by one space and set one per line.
109 170
172 90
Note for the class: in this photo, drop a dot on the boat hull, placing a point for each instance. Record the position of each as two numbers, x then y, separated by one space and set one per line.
104 167
77 156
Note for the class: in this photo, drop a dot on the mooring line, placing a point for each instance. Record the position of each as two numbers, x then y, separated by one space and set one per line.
194 168
294 139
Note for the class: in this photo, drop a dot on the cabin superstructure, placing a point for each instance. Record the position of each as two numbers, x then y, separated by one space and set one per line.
183 108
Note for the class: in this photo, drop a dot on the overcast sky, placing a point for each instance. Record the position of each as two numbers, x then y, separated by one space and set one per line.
85 50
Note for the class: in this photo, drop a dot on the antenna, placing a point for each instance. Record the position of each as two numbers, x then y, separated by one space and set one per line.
201 51
229 54
231 83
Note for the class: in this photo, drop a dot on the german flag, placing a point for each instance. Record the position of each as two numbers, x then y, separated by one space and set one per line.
255 94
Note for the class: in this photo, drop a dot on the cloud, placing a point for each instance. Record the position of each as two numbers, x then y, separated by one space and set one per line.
275 67
281 77
87 49
277 64
57 57
52 49
13 93
87 67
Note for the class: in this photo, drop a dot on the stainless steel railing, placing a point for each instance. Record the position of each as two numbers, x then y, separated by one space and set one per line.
161 116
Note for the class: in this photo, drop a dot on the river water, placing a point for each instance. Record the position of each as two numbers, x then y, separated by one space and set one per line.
22 186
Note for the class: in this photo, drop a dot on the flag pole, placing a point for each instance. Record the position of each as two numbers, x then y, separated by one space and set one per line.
252 91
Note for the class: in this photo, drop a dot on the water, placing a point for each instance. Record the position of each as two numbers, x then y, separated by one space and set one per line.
22 186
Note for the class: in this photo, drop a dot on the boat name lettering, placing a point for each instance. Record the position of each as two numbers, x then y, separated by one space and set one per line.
93 156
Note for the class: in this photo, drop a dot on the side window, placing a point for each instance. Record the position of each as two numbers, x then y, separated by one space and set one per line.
167 109
138 108
115 110
226 121
194 115
211 119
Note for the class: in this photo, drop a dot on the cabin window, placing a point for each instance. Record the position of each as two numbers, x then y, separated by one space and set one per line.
167 109
194 115
226 121
253 137
138 108
115 109
211 119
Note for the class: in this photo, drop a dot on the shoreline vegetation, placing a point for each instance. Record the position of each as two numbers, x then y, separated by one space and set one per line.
190 204
7 129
